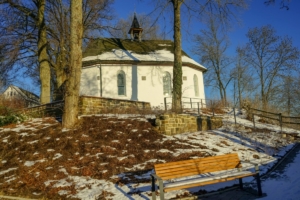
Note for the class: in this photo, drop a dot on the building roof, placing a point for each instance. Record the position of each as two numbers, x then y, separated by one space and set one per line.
114 50
135 23
29 96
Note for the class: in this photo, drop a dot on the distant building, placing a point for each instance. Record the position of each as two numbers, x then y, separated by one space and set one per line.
136 69
13 92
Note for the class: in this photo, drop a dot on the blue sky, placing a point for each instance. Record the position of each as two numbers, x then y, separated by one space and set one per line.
285 22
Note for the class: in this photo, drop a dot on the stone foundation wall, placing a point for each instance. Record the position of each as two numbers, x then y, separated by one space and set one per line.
96 105
50 109
171 124
205 123
88 106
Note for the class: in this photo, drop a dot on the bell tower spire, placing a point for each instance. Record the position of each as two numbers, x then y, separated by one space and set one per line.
135 30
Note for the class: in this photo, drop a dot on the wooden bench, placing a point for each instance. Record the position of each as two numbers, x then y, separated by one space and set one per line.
202 168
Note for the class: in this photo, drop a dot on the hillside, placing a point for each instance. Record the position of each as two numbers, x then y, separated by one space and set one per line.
111 157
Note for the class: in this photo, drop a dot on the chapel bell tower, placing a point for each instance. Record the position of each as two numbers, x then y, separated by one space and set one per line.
135 30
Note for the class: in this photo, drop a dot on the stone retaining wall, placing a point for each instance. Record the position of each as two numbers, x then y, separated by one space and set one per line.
205 123
50 109
171 124
88 106
96 105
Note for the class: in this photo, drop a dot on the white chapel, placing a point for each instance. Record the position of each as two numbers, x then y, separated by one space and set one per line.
136 69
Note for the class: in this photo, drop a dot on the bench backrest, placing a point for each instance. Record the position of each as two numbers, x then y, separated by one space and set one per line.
192 167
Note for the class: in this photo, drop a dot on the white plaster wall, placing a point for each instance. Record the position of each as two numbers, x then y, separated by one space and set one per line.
89 84
188 85
188 89
109 81
149 90
7 92
11 92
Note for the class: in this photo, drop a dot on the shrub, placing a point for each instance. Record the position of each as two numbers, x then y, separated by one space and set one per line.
12 119
7 106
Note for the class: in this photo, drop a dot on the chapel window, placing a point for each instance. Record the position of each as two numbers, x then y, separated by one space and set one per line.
167 84
196 85
121 83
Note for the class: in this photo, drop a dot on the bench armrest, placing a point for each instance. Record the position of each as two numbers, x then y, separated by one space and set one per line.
253 163
256 165
156 177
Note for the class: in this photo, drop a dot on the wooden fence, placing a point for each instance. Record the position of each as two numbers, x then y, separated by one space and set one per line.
278 117
188 103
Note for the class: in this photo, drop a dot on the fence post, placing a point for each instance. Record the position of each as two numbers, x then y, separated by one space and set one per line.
198 108
181 106
253 120
191 102
201 103
165 101
280 121
234 115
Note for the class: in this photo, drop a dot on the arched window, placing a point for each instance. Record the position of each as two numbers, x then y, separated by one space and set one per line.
121 83
167 84
196 85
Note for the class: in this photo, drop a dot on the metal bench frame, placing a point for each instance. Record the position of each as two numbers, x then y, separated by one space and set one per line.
201 166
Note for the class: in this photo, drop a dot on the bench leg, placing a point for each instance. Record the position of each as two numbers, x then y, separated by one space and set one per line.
153 188
161 190
241 183
258 184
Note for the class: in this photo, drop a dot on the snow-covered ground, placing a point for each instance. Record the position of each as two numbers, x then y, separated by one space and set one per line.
284 183
265 146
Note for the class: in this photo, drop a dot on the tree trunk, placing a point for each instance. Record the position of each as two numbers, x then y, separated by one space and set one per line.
239 85
73 80
60 73
42 55
177 69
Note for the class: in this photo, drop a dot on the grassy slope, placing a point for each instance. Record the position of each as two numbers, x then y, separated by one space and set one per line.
37 151
90 150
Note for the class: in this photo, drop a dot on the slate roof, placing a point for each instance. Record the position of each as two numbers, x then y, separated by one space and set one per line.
135 23
119 51
101 45
28 96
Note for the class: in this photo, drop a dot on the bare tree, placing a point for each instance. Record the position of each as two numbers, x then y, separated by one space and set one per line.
270 56
95 17
73 79
287 97
6 67
177 68
222 10
243 77
26 39
297 95
36 36
42 53
211 47
283 3
150 30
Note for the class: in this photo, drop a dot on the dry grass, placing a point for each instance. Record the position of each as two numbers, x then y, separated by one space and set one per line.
99 147
7 106
96 145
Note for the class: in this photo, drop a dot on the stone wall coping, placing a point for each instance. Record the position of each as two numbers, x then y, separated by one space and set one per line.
94 97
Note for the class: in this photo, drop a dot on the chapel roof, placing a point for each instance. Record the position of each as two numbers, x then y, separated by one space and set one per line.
126 51
135 23
101 45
